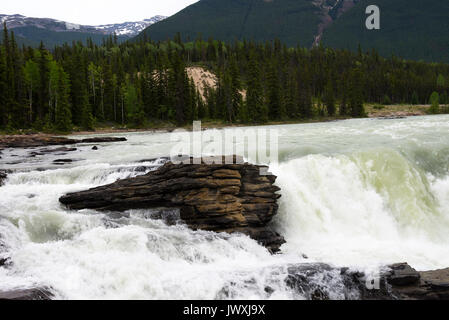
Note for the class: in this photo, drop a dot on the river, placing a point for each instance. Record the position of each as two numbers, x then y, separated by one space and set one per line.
355 193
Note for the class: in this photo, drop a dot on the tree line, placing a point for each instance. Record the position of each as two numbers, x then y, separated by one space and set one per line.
145 82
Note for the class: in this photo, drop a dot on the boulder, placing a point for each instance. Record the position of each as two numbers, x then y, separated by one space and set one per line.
214 197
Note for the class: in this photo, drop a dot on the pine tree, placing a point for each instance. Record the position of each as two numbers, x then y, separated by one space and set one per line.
236 86
415 99
255 104
3 88
275 105
9 98
356 94
44 72
329 99
63 115
81 109
291 97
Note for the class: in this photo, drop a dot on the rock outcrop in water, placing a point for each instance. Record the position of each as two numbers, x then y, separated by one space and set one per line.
3 175
219 197
409 284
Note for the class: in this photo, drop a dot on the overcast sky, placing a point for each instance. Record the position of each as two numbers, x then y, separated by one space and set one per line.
94 12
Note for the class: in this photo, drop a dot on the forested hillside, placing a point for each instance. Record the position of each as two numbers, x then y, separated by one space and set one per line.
33 36
139 83
412 29
292 21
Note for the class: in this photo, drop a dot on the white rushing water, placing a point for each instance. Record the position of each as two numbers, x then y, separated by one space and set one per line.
356 193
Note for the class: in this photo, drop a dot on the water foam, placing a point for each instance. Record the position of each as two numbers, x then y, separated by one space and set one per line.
367 209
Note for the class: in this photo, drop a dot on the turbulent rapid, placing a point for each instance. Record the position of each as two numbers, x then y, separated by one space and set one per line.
356 193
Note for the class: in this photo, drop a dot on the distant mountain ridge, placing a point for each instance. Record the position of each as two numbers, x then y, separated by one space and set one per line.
129 28
53 32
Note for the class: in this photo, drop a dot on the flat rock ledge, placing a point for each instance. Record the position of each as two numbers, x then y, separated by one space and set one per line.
397 282
40 140
214 197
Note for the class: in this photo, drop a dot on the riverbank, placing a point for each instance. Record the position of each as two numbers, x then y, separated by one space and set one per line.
396 111
372 111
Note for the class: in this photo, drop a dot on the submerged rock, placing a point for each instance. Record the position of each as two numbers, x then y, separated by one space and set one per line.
214 197
62 161
3 176
45 151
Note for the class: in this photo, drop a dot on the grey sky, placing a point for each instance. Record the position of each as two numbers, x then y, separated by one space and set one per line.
94 11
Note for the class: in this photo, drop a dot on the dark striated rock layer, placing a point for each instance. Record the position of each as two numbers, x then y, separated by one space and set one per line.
39 140
27 294
218 197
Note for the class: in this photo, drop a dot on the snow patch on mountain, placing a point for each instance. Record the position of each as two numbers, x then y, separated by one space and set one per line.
129 28
122 29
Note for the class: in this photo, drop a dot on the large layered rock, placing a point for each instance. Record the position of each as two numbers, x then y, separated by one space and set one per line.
218 197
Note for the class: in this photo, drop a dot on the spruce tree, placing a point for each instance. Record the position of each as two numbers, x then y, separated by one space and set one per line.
356 94
256 107
63 115
415 99
44 72
275 105
329 99
3 88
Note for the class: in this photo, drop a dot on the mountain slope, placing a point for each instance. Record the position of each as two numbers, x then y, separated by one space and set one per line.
292 21
412 29
55 32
